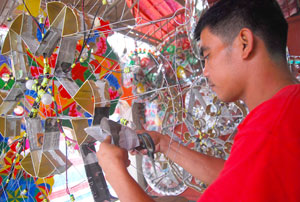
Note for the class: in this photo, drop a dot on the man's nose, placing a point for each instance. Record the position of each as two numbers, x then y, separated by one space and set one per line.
205 71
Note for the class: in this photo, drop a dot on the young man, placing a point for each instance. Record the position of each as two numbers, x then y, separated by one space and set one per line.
243 44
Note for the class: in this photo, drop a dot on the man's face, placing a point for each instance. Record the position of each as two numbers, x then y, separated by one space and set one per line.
221 66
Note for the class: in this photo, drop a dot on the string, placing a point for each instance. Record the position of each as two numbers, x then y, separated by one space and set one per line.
67 186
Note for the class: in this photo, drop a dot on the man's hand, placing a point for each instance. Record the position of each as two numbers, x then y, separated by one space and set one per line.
111 158
114 162
203 167
161 141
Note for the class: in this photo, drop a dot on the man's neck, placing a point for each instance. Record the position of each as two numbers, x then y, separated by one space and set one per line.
265 83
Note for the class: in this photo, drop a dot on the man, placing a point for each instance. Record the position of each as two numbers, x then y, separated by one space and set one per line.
243 44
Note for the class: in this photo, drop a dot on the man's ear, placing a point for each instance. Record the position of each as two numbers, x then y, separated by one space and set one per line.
246 42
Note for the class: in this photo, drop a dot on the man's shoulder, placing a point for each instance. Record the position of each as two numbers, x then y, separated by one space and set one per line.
282 99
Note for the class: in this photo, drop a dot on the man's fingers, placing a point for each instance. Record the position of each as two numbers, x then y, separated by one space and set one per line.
128 162
140 131
107 139
141 124
135 152
143 151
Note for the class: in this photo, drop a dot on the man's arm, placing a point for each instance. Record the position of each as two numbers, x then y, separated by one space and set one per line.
126 187
201 166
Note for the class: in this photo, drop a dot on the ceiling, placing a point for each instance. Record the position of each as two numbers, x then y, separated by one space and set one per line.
150 21
146 20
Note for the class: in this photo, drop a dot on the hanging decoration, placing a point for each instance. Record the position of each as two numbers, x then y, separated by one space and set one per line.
185 109
49 74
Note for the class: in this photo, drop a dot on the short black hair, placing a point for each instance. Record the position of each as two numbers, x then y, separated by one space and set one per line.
264 17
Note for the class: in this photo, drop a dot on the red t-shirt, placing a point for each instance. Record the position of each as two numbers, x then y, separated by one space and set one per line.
264 164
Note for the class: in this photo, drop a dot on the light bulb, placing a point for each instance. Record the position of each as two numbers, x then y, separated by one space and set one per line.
46 99
29 84
19 110
5 77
